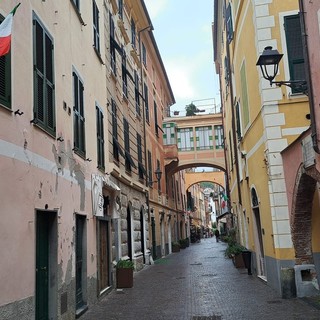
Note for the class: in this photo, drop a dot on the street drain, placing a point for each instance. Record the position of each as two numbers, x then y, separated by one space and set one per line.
196 264
180 278
206 318
209 275
274 302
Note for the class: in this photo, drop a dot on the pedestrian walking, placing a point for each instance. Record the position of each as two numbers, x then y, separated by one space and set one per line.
217 234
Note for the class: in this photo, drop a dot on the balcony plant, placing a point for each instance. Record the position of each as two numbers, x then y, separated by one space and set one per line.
124 273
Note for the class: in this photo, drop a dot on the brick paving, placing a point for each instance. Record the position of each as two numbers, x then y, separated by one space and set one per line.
198 283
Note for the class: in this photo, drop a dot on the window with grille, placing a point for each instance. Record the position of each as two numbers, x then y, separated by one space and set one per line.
185 139
5 78
43 78
96 35
100 138
218 132
204 138
295 49
78 116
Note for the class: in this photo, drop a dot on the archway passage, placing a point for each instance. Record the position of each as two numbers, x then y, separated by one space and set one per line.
217 177
301 217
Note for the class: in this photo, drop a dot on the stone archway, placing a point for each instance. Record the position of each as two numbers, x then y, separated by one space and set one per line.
301 216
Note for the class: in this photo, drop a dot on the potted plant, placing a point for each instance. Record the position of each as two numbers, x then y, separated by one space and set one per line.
234 251
175 246
183 243
124 273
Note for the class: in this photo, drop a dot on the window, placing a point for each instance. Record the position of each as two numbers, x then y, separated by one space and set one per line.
158 167
218 132
133 33
230 151
294 48
116 146
76 4
149 168
136 93
169 136
144 54
156 126
146 102
100 138
128 159
229 23
185 139
238 121
204 138
96 36
226 70
120 5
244 95
43 78
141 169
5 79
112 46
78 119
124 75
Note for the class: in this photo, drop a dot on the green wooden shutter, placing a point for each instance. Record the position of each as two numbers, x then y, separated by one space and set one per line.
244 95
5 80
294 48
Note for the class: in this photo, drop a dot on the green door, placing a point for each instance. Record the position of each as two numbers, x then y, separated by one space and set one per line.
42 266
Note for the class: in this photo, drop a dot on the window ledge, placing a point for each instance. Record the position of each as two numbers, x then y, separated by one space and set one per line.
79 153
6 108
98 54
78 13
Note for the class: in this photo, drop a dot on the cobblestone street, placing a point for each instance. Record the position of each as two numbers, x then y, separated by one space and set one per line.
198 283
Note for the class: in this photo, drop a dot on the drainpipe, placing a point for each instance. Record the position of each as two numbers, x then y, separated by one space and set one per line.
308 78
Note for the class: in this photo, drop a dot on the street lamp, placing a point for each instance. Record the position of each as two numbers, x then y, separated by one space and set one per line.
158 174
269 65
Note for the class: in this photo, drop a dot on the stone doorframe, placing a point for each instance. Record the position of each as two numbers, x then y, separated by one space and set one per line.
301 214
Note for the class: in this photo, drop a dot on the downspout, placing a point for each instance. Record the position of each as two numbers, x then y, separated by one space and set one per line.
308 78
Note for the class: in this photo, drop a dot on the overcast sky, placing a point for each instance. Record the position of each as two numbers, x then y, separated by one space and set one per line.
182 29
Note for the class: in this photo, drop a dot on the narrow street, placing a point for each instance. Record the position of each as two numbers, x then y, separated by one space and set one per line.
198 283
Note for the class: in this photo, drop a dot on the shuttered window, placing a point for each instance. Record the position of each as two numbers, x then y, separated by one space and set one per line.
141 169
133 33
294 48
144 54
115 143
78 116
238 121
100 138
229 23
137 93
77 4
5 78
120 5
156 126
124 75
129 163
96 34
244 95
149 168
146 102
44 89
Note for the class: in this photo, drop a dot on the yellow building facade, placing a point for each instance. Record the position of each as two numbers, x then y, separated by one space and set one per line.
259 122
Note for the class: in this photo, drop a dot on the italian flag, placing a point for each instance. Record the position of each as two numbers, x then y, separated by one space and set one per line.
5 32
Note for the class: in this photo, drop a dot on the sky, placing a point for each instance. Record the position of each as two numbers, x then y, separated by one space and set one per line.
183 32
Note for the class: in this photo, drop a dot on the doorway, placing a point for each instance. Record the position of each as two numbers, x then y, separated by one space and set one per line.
258 234
81 270
46 265
129 234
142 230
